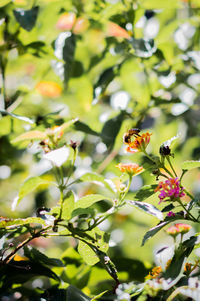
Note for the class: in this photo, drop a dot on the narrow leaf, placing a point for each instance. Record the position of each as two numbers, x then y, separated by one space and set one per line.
153 231
32 135
12 223
23 118
148 208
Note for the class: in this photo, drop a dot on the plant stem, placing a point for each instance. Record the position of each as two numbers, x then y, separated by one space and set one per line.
189 194
168 159
3 89
188 213
21 245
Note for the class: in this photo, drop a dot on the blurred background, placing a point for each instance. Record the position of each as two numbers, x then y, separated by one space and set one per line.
114 65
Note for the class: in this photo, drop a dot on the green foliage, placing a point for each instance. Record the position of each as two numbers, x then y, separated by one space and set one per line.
76 77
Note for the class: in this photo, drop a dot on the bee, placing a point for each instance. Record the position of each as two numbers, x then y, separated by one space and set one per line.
132 132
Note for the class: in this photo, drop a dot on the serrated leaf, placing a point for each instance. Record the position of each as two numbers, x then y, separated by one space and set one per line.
87 253
187 165
148 208
68 206
145 192
89 200
30 185
12 223
153 231
27 18
96 179
32 135
74 294
144 48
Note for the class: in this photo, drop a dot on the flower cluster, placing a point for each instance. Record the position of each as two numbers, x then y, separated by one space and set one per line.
178 229
139 143
130 168
170 189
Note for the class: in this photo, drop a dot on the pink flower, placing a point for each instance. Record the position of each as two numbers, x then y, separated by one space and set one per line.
178 228
170 214
170 189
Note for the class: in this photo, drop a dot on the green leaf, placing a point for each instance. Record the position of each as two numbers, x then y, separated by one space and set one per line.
143 47
148 208
187 165
153 231
35 255
27 18
30 185
89 200
96 179
111 129
68 206
99 296
105 78
4 2
145 192
74 294
12 223
32 135
88 255
23 118
81 126
68 56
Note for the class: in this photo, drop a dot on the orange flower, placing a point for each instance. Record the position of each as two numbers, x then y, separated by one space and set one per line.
130 168
49 89
114 30
139 144
66 21
178 229
156 271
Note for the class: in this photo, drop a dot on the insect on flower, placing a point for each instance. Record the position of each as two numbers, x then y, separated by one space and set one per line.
139 143
132 132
